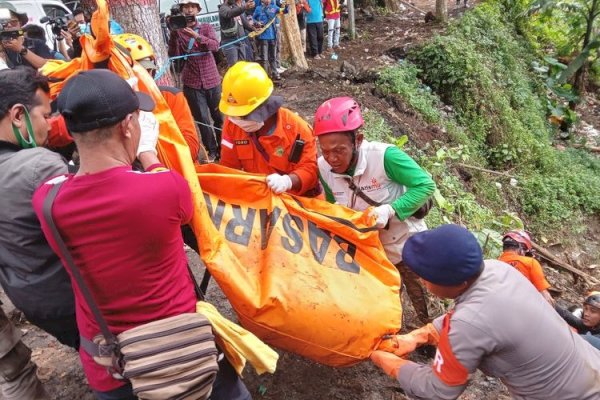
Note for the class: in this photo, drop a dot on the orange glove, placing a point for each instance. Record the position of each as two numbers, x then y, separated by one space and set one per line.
388 362
401 345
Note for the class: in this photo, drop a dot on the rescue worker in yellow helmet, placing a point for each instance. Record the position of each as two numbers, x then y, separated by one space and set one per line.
141 51
261 136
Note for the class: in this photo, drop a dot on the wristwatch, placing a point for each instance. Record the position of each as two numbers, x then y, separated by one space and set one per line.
24 51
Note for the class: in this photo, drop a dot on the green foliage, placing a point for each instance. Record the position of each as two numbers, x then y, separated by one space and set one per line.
482 69
502 91
569 27
375 128
402 80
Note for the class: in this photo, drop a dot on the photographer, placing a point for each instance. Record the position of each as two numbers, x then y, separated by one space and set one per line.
19 51
75 29
200 76
37 32
233 22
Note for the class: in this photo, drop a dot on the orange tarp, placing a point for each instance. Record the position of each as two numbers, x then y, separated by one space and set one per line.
301 274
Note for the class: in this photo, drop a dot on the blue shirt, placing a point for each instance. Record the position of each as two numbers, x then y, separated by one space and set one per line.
316 13
264 14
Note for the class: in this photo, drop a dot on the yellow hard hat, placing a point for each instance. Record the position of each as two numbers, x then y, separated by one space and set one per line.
246 86
138 47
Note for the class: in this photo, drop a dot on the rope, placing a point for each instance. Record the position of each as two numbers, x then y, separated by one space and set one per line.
253 34
210 126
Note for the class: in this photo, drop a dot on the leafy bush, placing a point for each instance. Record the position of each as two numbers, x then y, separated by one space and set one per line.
490 74
402 80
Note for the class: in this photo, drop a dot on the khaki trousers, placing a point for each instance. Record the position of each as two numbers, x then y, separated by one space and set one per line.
18 379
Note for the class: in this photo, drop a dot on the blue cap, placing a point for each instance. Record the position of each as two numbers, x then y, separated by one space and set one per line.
447 255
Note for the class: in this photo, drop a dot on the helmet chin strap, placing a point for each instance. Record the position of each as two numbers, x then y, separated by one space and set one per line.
353 161
354 158
25 144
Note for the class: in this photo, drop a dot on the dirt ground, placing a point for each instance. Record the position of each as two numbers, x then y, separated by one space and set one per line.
381 42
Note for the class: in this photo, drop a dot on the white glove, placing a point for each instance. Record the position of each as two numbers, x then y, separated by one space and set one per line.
149 135
279 183
383 214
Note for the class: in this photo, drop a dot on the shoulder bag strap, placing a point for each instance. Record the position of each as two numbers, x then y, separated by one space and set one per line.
192 40
70 265
356 190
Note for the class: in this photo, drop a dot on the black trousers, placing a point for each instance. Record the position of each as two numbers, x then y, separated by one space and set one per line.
204 104
64 329
314 31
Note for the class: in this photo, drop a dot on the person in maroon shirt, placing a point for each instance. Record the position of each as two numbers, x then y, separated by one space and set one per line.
200 76
122 227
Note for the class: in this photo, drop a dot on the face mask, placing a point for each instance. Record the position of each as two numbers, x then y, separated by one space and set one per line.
83 27
23 143
247 126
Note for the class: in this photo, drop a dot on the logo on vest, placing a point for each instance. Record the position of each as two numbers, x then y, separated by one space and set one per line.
375 185
438 361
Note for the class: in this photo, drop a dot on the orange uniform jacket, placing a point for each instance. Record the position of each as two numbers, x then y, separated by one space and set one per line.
529 267
238 151
183 117
59 135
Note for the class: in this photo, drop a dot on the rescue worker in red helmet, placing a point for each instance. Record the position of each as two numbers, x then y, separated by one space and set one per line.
517 252
585 321
361 174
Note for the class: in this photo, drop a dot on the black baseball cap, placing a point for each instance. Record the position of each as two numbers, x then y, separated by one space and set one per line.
98 98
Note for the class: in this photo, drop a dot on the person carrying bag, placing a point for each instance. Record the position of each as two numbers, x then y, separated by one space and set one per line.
172 358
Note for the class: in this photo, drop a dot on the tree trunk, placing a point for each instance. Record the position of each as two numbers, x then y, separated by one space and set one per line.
291 43
441 11
88 7
392 5
141 17
582 72
351 20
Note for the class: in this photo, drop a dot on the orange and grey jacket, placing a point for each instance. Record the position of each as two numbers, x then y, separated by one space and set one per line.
496 327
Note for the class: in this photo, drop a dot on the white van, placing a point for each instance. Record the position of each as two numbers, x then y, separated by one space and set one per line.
38 9
209 12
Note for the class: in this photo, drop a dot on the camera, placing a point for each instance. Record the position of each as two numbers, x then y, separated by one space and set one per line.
58 24
7 33
177 20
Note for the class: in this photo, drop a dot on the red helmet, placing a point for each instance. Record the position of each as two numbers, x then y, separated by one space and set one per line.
520 237
340 114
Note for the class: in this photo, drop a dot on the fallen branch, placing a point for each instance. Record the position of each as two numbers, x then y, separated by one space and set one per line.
489 171
406 3
593 149
555 261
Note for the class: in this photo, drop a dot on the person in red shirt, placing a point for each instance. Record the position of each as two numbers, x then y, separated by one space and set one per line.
200 76
122 226
516 247
260 136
